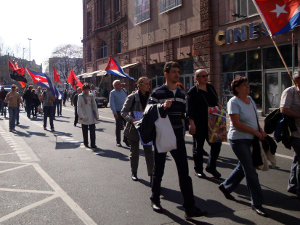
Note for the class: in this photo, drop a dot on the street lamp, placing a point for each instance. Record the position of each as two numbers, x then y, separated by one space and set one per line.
29 39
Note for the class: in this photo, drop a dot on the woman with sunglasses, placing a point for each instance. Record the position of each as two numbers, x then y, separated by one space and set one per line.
243 127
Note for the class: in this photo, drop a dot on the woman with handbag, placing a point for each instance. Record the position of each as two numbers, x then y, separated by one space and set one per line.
243 128
88 115
135 104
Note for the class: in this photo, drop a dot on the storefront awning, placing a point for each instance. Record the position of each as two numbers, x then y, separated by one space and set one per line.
91 74
130 65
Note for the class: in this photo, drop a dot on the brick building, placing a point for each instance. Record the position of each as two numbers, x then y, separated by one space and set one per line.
143 35
225 37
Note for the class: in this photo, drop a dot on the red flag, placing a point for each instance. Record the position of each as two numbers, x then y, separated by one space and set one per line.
73 80
56 75
279 16
20 71
22 84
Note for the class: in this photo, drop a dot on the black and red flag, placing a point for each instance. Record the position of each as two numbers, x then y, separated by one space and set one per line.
17 73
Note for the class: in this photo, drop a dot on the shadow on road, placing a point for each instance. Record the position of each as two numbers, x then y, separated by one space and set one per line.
111 154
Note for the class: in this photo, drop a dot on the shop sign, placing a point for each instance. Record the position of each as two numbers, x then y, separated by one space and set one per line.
242 33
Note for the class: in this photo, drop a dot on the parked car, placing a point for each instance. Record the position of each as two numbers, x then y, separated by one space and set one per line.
101 101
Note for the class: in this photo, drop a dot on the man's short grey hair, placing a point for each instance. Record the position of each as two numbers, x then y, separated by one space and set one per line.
78 88
296 73
198 72
115 81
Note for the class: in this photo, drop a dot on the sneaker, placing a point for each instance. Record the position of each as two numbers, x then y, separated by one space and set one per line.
119 145
157 207
194 212
134 177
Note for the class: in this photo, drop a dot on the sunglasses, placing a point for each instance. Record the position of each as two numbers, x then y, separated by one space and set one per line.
204 76
13 87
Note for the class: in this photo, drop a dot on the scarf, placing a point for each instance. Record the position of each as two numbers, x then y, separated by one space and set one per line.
93 105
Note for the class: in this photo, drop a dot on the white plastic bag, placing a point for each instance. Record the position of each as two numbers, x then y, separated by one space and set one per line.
165 137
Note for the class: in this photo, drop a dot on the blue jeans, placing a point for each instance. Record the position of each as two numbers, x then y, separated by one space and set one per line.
243 169
12 116
294 181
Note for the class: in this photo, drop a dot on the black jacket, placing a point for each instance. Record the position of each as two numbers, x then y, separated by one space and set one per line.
146 126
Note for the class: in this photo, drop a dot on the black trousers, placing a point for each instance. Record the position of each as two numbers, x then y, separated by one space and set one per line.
76 116
85 129
198 143
48 112
185 181
120 123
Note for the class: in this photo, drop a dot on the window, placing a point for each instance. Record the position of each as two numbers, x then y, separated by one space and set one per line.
89 54
245 8
119 44
100 13
103 51
89 23
118 5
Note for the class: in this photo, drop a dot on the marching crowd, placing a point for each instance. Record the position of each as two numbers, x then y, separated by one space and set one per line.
185 111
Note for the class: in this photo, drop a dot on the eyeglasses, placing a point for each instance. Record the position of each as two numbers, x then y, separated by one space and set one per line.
13 87
204 76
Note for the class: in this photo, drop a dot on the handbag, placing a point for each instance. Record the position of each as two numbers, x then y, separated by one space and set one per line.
165 140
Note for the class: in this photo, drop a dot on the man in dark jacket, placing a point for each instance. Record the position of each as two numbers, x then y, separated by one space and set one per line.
173 100
199 98
3 94
74 103
28 96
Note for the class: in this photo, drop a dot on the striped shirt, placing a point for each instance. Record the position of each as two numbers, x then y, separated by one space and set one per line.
177 110
291 100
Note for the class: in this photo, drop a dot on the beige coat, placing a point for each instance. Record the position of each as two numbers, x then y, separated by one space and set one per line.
85 111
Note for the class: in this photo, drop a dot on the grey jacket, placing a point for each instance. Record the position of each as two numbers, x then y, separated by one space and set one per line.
132 103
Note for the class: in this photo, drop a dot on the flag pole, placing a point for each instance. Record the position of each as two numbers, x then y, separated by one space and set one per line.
271 36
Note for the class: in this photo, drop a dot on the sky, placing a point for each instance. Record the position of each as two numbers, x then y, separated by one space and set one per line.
48 23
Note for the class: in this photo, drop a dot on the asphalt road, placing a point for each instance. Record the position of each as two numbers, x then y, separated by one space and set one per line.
51 178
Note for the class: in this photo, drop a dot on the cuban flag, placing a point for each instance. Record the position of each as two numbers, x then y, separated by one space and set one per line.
114 68
279 16
42 80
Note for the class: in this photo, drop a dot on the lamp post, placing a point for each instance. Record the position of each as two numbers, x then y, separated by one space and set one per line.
29 39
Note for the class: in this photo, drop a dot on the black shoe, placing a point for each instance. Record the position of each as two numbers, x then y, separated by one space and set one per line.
52 130
134 177
226 193
259 210
292 191
204 153
200 175
119 145
194 212
214 172
93 146
126 142
45 128
87 146
157 207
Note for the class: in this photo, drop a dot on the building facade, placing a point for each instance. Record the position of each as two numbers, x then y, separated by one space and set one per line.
225 37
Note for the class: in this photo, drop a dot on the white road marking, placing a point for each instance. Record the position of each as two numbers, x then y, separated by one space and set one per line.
284 156
65 197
